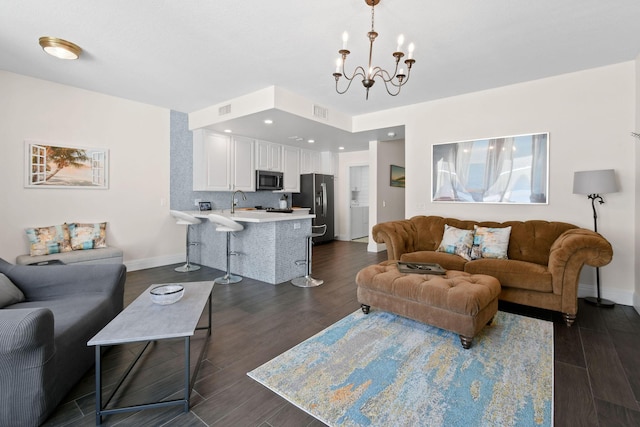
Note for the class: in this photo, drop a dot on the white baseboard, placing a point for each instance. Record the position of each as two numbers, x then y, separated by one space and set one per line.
141 264
615 295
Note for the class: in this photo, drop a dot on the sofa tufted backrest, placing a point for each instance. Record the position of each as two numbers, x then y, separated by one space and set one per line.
529 241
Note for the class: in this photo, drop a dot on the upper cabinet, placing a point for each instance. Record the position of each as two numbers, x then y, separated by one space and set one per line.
222 163
310 161
268 156
291 169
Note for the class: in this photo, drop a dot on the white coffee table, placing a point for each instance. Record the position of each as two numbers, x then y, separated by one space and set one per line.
142 321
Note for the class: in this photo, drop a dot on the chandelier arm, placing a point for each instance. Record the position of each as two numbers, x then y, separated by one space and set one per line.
359 71
345 89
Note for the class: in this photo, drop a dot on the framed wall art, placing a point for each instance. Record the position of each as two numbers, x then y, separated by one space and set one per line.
397 176
510 169
65 166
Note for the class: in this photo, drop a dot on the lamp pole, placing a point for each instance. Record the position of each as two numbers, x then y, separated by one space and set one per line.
597 301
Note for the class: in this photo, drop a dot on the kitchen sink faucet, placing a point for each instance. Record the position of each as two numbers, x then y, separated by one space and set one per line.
233 199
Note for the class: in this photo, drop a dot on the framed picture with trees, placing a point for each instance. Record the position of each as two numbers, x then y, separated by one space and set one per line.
49 165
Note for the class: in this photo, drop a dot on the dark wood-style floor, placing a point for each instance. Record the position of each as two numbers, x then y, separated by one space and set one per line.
597 380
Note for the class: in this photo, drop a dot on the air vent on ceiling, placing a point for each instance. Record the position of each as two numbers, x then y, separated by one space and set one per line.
225 109
320 112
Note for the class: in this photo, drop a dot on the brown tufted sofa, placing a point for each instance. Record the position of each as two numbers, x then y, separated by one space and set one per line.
545 258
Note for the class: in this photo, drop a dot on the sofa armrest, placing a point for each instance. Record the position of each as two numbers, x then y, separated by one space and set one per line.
52 281
27 360
569 253
398 236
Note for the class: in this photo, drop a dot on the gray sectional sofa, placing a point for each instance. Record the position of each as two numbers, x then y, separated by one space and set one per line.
43 339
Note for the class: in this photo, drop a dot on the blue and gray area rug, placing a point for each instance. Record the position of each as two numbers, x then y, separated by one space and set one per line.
385 370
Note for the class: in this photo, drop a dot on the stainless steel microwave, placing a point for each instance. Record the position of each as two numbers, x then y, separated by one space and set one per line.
269 180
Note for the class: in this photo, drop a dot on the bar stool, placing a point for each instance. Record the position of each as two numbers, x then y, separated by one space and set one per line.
307 281
228 226
188 220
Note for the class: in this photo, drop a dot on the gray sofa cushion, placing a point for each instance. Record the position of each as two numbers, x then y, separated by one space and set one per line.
9 293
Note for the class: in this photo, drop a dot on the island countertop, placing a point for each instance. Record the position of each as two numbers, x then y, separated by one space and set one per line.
244 215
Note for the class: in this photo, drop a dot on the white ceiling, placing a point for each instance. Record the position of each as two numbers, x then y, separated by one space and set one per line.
191 54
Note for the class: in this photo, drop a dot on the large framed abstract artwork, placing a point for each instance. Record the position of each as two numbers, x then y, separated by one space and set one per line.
65 166
509 169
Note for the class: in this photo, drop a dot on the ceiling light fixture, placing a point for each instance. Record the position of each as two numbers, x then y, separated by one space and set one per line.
311 141
268 122
369 75
59 48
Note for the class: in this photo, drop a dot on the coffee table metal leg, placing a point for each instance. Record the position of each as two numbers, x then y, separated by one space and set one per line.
187 369
98 386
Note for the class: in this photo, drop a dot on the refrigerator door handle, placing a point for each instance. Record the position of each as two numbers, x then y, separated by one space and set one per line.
323 185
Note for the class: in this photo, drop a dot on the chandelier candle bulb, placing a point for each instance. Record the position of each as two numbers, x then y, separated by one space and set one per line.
411 49
400 42
345 38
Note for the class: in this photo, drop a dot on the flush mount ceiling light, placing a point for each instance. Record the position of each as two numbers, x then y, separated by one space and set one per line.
60 48
371 73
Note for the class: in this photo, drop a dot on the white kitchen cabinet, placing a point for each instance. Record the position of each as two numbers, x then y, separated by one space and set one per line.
222 163
243 165
291 169
309 161
268 156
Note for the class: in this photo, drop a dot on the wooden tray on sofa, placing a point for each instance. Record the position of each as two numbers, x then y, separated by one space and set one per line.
420 268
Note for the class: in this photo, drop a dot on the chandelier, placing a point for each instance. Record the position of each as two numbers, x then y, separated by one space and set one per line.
371 73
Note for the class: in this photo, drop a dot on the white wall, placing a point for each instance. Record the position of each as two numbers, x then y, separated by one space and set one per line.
343 195
390 203
588 115
137 137
636 144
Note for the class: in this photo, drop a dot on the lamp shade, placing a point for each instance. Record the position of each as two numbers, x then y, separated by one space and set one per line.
595 182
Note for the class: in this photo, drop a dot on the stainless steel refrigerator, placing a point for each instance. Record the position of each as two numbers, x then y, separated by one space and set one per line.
316 192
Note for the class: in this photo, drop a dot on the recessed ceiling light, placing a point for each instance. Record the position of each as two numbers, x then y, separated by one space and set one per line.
299 139
227 131
268 122
340 148
391 134
59 48
311 141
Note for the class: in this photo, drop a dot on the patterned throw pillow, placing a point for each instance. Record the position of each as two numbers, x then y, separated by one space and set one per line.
88 236
9 293
456 241
490 242
49 240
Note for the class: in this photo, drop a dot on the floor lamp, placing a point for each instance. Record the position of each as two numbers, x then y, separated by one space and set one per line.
593 184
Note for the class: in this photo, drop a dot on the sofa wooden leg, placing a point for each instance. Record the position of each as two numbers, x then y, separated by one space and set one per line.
365 308
490 321
466 342
568 318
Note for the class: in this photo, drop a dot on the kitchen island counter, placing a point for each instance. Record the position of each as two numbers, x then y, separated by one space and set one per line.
267 248
255 215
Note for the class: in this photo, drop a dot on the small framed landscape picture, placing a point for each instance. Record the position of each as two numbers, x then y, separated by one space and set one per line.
65 166
204 206
397 176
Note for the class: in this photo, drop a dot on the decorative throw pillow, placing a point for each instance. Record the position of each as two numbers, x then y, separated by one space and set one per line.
9 293
88 236
49 240
456 241
490 242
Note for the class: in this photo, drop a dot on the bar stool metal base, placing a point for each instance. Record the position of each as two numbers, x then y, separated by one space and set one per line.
227 279
187 268
306 282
